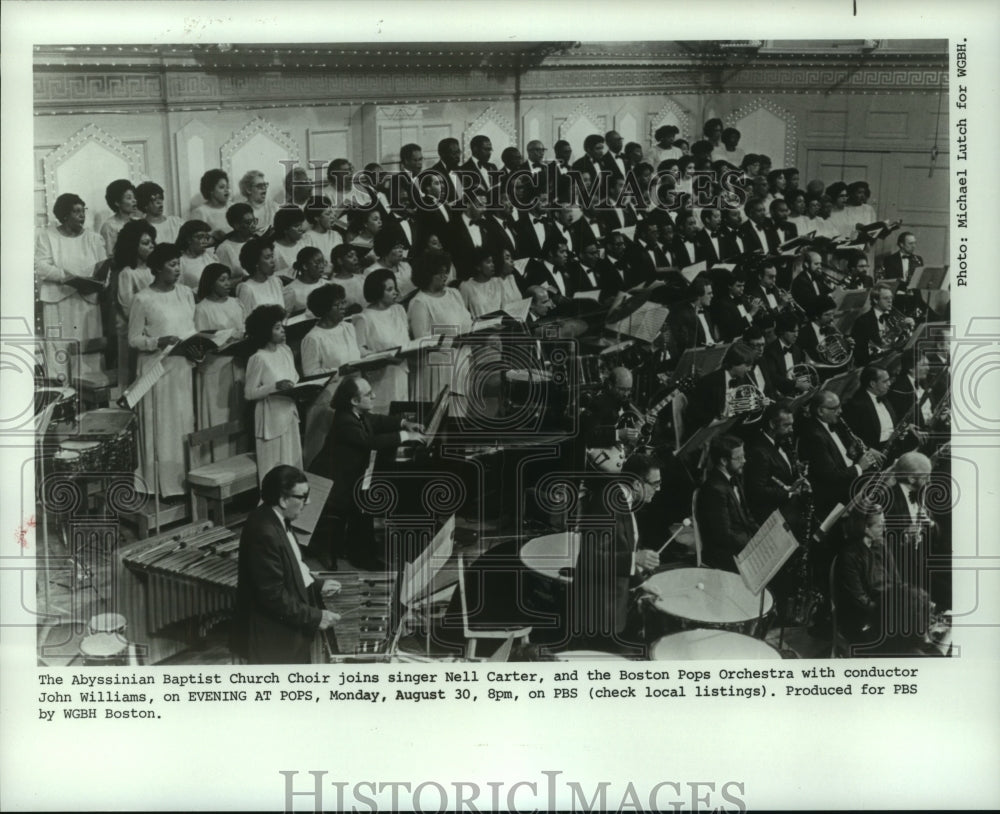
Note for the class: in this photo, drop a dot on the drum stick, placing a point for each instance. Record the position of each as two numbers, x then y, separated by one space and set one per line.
686 522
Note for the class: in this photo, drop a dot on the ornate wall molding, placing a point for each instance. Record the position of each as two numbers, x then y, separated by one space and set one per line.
491 122
257 126
86 138
791 128
669 113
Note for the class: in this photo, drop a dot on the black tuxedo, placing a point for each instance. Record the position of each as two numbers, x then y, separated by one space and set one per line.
584 232
501 234
608 163
686 328
724 521
894 267
529 244
705 249
831 477
584 164
276 616
752 241
436 221
859 413
461 245
809 340
903 398
537 273
644 263
619 217
681 254
345 457
756 291
617 275
865 331
728 319
785 231
765 463
580 277
776 370
407 231
804 290
482 186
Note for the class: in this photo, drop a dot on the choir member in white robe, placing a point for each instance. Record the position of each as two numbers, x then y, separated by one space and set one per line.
289 228
243 222
150 200
160 315
64 252
270 372
310 274
320 216
262 287
348 275
195 240
381 326
483 292
219 378
214 186
131 275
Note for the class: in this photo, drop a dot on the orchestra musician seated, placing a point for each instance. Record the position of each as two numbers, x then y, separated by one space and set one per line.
820 324
722 513
781 356
601 421
347 459
868 413
710 400
732 311
770 475
877 611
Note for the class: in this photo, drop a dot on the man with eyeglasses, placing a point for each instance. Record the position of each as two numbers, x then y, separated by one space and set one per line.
279 604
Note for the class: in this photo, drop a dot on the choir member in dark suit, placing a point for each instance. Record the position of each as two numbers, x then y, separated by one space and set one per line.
433 217
902 263
346 457
510 158
479 167
691 324
619 211
279 606
770 468
589 229
411 164
591 161
615 272
722 513
710 244
644 254
685 250
757 233
561 227
468 234
447 166
810 284
732 223
584 271
709 399
868 412
534 165
614 159
783 354
501 228
401 222
834 459
533 229
784 230
552 272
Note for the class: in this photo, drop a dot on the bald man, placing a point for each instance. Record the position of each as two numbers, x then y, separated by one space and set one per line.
811 284
600 420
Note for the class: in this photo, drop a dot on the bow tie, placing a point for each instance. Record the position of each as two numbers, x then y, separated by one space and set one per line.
880 399
786 349
538 220
535 165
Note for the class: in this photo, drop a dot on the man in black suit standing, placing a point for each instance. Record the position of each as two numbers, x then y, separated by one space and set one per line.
592 161
348 458
486 173
710 245
469 232
447 166
756 232
539 176
902 263
411 164
784 230
722 514
690 323
615 273
685 246
614 159
279 605
868 412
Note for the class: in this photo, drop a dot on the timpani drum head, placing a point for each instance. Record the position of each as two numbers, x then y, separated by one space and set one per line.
107 623
705 595
552 554
697 645
104 648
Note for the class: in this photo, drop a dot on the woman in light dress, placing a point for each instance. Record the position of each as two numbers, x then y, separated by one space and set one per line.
253 186
391 253
135 243
362 226
348 275
262 287
381 326
120 198
243 222
320 216
150 201
214 187
437 309
483 292
64 252
270 373
840 218
194 241
161 315
331 342
310 274
289 227
219 377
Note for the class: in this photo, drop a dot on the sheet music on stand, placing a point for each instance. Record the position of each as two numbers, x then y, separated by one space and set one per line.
932 333
522 263
703 436
517 309
699 361
418 576
141 386
644 323
767 551
692 271
927 279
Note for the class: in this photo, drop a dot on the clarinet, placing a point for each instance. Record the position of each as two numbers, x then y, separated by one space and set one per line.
806 598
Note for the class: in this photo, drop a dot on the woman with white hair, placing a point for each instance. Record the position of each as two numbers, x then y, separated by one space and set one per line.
253 187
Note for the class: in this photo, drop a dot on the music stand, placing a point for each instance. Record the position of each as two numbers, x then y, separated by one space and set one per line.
844 384
762 557
703 360
703 436
418 579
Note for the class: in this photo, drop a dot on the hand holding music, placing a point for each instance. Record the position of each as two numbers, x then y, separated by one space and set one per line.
166 341
646 560
327 620
284 384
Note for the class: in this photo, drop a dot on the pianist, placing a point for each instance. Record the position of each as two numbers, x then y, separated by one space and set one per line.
348 458
279 606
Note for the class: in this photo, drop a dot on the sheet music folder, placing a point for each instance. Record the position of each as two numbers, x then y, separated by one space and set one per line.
767 551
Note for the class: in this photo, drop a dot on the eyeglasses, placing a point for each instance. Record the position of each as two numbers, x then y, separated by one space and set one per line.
304 498
656 484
